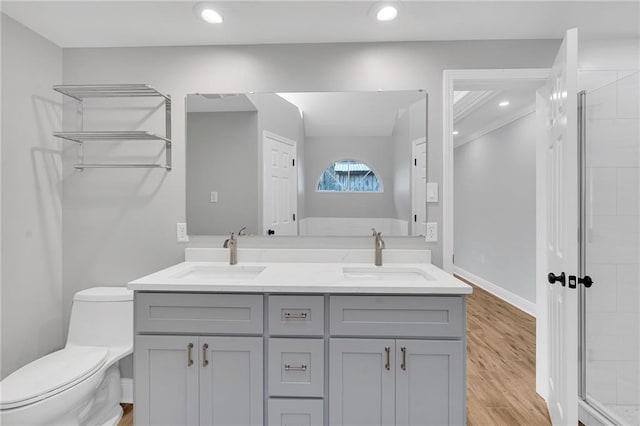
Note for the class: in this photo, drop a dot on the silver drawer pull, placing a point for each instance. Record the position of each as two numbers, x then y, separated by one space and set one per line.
290 315
288 367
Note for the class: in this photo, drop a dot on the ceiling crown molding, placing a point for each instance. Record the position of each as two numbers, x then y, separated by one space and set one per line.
471 102
495 125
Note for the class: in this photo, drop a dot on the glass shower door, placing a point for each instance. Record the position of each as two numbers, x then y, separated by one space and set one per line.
611 249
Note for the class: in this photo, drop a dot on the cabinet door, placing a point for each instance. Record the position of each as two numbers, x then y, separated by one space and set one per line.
166 380
231 381
361 382
429 383
295 412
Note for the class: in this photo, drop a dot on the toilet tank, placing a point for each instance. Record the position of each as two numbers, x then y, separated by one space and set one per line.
102 316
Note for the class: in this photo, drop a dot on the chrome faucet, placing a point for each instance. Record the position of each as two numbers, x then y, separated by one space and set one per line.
379 246
242 232
232 244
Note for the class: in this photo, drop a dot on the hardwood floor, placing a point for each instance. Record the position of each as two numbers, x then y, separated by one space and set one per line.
127 417
501 360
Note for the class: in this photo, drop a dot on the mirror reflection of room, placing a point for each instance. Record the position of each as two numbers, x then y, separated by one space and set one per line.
309 164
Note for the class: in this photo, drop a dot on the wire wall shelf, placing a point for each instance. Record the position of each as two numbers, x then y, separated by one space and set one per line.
81 136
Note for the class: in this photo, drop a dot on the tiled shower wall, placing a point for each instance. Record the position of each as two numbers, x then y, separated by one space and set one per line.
613 244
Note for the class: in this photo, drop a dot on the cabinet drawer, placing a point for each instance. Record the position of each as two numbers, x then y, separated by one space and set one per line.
296 315
296 367
199 313
397 316
298 412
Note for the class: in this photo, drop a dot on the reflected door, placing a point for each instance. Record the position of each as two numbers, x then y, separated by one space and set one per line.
280 186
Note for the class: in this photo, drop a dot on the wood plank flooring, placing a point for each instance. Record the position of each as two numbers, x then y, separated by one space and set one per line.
501 364
501 360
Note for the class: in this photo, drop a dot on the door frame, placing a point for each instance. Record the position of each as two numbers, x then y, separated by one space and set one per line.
414 144
450 78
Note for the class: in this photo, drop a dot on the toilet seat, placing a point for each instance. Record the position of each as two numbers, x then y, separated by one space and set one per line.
50 375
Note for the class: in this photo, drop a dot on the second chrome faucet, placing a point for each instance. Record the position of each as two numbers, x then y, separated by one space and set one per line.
232 244
379 246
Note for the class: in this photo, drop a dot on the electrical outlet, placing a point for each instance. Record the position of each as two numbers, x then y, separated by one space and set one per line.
181 233
431 232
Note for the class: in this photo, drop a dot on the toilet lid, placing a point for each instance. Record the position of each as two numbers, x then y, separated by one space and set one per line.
50 374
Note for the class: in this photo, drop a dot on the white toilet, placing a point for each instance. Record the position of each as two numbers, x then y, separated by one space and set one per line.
80 384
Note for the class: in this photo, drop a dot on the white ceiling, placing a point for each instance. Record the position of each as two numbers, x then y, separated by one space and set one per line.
351 113
173 23
521 97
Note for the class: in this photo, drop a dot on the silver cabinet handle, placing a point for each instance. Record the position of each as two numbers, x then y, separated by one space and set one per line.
288 367
403 365
205 362
387 366
189 355
299 315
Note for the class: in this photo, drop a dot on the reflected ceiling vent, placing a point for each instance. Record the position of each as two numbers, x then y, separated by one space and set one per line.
219 95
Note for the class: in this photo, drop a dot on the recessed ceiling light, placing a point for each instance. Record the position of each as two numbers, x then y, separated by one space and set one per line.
456 133
504 103
208 13
387 13
384 11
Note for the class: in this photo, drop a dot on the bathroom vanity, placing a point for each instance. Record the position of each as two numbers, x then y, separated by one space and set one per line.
275 342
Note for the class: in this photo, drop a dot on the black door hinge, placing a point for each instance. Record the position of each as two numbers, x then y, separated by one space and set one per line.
293 162
415 217
294 217
415 161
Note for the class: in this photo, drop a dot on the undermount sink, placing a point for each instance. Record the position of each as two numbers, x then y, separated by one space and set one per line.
385 274
219 273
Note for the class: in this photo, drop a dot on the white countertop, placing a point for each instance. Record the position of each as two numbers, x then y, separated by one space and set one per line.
302 277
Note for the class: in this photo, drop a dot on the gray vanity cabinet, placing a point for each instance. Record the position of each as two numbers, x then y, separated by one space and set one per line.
166 383
395 382
299 359
361 383
198 380
295 412
231 381
429 382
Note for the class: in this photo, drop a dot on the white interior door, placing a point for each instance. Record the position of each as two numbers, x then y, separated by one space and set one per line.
557 180
280 186
419 187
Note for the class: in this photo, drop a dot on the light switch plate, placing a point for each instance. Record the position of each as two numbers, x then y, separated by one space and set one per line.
431 232
214 196
181 233
432 192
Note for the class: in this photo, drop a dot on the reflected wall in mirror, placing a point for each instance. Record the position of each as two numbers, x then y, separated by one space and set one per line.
312 164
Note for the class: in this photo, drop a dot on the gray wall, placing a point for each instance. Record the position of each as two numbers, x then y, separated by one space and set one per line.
222 155
373 150
31 289
495 207
135 235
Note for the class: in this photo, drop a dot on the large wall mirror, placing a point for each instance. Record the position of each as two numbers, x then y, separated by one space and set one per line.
312 164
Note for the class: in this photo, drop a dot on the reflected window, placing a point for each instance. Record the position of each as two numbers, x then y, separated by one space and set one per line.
349 176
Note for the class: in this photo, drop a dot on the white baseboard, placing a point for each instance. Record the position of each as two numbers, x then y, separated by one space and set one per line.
509 297
126 384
